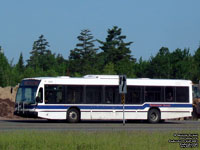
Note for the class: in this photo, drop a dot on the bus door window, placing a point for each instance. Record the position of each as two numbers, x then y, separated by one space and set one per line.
40 95
169 94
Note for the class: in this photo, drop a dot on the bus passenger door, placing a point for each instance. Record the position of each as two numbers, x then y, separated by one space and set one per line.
39 98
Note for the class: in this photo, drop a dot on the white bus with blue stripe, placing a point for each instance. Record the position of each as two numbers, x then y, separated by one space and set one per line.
96 97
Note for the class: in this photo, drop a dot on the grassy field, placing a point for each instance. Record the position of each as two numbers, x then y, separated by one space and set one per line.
116 140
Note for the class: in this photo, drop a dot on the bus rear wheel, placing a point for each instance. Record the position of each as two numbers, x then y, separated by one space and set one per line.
154 115
73 115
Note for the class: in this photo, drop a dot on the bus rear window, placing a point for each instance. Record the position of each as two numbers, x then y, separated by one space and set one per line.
182 94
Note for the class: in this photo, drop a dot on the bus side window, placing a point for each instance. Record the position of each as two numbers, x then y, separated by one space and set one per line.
50 94
74 94
169 94
134 95
54 94
153 94
94 94
109 95
59 94
112 95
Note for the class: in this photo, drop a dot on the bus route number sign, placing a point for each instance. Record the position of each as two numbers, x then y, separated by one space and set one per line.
122 84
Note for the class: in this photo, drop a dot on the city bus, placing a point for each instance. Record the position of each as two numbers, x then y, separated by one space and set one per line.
96 97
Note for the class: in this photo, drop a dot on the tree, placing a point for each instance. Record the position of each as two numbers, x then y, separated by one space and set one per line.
160 66
4 71
116 51
196 66
109 69
142 67
82 58
174 65
20 65
17 71
114 47
37 54
41 58
181 64
61 65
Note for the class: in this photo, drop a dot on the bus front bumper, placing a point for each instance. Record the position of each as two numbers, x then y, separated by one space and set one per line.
27 114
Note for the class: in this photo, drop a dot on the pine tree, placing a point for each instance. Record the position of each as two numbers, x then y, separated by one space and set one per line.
117 52
196 66
160 65
4 71
141 68
20 65
82 58
61 65
41 57
181 64
109 69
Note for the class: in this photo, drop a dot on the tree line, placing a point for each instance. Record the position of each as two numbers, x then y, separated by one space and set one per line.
112 56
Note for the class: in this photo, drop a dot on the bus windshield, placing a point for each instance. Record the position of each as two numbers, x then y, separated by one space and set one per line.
27 91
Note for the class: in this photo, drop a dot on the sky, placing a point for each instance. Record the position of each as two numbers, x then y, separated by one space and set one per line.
150 24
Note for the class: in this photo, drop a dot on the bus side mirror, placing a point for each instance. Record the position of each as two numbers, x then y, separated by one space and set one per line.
11 90
38 99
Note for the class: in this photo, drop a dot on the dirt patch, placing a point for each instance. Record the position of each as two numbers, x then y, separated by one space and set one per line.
6 108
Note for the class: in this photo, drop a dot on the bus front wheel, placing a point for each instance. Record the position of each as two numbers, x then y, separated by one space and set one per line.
154 115
73 115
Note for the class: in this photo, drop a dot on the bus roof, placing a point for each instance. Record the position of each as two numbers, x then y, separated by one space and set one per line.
110 80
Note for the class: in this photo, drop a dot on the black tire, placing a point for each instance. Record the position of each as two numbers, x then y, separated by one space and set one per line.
73 115
154 116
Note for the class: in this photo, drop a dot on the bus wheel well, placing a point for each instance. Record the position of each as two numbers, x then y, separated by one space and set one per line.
154 115
74 107
73 114
155 108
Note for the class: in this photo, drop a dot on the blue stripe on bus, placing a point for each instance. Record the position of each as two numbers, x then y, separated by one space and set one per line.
113 107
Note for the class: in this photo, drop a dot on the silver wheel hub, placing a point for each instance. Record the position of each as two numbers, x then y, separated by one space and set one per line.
154 116
73 115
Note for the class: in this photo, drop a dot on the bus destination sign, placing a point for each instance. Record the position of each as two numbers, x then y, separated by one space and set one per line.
30 83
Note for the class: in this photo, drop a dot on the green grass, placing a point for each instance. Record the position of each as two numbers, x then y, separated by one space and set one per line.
113 140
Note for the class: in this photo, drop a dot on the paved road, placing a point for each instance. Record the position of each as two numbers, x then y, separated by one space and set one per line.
98 126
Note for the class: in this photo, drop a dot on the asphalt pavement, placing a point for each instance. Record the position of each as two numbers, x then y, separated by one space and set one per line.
45 125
